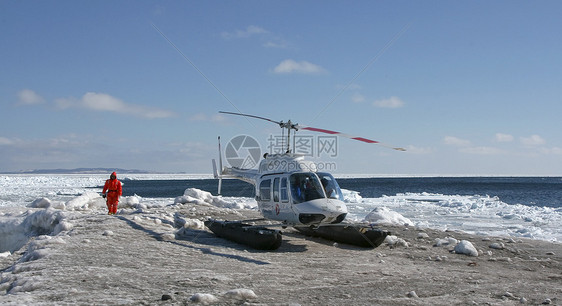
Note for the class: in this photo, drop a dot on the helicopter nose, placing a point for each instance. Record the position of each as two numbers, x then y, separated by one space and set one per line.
320 211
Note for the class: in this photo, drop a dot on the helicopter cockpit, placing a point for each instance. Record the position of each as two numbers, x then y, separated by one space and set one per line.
307 186
330 185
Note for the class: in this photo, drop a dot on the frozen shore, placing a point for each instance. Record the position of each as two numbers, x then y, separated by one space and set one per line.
162 255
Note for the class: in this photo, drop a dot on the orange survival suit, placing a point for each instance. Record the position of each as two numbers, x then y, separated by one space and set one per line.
114 191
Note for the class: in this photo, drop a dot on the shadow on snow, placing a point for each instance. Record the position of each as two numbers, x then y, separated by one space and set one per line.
158 237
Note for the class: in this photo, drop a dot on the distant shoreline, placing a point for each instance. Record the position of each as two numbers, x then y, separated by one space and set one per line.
93 171
352 175
80 171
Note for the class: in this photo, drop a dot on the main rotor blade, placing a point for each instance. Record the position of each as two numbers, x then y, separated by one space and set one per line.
308 128
251 116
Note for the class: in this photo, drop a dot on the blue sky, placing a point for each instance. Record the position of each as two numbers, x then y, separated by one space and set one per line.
466 87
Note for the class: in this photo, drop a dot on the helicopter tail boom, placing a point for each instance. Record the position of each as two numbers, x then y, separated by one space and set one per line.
220 172
246 175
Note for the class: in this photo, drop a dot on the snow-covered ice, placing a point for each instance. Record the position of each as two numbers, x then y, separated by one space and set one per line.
475 214
466 247
481 215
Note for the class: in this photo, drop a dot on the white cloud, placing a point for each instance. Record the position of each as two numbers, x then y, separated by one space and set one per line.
451 140
533 140
200 117
392 102
465 146
551 151
218 118
291 66
278 44
106 103
419 150
500 137
481 150
65 103
357 98
249 31
29 97
5 141
268 39
103 102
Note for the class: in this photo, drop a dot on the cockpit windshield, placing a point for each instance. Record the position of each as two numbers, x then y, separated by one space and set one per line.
305 187
330 185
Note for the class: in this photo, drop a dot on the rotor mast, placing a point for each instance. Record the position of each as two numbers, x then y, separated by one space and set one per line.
289 126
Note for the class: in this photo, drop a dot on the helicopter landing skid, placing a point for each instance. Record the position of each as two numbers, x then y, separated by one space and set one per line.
353 234
257 237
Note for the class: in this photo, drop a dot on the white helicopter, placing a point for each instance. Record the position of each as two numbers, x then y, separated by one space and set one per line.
289 189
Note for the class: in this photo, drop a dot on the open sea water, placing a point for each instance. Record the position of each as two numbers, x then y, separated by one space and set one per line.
529 191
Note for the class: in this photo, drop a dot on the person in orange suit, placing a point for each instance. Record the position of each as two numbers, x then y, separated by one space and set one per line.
114 191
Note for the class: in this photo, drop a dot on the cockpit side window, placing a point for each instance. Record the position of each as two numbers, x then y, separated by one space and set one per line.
276 190
265 190
284 194
305 187
330 185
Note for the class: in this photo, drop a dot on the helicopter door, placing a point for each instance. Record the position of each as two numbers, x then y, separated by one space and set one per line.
265 190
283 209
276 190
284 193
264 199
